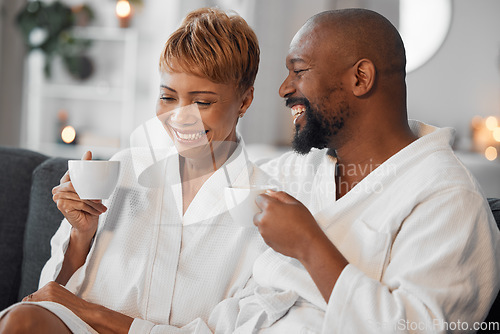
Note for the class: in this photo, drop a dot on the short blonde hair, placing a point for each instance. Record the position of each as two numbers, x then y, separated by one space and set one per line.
213 44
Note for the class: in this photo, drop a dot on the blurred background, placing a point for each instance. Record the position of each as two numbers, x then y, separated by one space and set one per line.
83 74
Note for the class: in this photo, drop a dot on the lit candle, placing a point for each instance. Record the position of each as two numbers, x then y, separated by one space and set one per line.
123 12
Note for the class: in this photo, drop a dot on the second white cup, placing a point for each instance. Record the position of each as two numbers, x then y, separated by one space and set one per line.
240 202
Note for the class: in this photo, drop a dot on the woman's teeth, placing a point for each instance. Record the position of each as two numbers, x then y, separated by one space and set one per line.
190 136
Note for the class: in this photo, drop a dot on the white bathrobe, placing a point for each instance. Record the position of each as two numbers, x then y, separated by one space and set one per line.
421 242
150 262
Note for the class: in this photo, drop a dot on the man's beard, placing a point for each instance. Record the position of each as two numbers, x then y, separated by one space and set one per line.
318 130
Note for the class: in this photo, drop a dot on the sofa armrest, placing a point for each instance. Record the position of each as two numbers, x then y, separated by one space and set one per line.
43 220
17 166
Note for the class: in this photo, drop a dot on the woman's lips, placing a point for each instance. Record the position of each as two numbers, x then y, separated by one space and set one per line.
189 137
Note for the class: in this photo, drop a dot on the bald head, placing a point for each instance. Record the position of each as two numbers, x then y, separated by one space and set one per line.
346 73
358 33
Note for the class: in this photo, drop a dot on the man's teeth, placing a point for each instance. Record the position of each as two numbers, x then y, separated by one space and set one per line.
190 136
296 111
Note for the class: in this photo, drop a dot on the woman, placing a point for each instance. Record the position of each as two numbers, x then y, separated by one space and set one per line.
162 255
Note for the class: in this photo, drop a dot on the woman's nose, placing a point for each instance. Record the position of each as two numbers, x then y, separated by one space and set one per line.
186 115
286 89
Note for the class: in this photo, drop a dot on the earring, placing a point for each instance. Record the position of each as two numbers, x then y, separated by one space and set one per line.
241 115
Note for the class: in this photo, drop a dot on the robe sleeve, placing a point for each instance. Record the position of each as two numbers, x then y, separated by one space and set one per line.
441 277
58 246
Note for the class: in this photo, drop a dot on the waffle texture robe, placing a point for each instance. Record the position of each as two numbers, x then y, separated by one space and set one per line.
420 239
150 262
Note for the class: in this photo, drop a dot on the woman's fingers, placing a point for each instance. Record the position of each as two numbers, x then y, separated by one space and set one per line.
72 196
65 178
68 205
64 187
87 155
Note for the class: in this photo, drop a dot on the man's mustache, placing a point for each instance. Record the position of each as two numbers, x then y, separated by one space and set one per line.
297 100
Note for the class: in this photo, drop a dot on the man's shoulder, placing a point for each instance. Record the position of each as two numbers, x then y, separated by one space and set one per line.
444 170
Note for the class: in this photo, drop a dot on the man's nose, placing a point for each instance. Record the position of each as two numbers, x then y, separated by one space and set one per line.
286 89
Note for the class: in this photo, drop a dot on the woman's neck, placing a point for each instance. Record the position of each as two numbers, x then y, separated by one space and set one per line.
195 172
214 158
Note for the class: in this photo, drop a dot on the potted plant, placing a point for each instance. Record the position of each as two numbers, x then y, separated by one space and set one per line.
48 27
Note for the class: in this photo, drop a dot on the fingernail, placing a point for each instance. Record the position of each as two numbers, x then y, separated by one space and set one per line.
270 191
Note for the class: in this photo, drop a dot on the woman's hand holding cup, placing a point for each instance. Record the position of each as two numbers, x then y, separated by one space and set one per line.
83 215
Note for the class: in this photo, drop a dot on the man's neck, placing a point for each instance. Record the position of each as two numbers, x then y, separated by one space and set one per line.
358 158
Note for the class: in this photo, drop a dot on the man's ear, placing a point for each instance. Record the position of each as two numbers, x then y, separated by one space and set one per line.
364 77
246 100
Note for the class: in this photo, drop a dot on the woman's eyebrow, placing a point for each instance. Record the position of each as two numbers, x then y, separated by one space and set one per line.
170 89
192 92
203 92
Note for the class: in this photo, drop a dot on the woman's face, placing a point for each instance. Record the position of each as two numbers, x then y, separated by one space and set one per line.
199 114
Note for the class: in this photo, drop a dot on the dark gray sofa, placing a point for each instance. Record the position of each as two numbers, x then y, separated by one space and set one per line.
29 218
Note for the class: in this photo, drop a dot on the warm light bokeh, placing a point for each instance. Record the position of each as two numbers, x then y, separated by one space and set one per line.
496 134
486 136
68 134
490 153
123 9
491 123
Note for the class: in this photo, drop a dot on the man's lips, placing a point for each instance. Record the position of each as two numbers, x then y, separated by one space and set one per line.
297 110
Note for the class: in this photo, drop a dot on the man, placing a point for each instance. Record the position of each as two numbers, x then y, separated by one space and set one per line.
386 230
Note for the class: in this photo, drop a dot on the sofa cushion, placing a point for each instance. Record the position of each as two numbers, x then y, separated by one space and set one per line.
495 208
494 314
43 220
17 166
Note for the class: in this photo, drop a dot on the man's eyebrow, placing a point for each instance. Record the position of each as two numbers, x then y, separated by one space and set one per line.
192 92
293 61
296 60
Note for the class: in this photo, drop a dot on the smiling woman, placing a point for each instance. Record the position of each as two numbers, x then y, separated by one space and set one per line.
151 254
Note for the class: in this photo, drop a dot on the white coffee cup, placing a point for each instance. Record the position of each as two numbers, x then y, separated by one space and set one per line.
240 202
94 179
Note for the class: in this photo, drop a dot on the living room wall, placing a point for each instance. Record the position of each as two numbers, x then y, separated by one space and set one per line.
460 81
463 78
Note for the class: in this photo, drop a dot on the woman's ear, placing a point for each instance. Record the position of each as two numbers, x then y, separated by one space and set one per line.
246 100
364 77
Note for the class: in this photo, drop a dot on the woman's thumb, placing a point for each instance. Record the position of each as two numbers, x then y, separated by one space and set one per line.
87 155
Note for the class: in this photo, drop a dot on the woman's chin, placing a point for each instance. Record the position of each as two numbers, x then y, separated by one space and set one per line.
200 151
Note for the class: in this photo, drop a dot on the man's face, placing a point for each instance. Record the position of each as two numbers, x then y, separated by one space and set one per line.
314 92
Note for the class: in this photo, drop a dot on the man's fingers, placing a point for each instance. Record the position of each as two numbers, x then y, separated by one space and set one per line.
281 196
263 201
256 218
